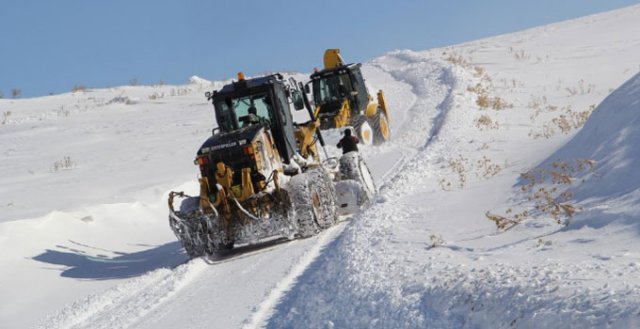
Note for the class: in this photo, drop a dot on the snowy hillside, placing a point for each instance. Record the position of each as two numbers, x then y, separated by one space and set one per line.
503 202
611 138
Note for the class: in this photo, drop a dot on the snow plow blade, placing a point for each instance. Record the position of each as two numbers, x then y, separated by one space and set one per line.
203 231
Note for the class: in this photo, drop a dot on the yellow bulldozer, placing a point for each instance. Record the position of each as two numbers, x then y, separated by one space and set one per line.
341 99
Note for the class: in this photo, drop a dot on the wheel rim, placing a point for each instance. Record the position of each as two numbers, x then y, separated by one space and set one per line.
366 133
315 205
384 126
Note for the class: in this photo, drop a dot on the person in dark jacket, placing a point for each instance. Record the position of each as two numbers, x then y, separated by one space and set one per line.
253 118
348 142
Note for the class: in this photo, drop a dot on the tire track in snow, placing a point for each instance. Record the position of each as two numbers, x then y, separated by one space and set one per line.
123 304
264 309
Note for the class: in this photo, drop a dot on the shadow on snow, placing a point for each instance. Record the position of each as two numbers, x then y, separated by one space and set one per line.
126 265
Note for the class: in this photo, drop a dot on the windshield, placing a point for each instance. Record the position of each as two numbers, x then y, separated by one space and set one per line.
259 104
331 88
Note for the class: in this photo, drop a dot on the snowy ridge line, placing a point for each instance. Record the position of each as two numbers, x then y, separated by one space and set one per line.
444 107
125 303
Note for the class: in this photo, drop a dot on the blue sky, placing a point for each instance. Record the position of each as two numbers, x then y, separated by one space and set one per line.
48 46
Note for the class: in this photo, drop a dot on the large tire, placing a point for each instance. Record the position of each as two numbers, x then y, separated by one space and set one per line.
313 201
363 130
381 129
322 182
352 166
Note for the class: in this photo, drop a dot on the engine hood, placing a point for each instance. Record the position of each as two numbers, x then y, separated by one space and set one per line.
232 139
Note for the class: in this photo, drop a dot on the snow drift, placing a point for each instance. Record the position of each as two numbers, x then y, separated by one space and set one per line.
611 137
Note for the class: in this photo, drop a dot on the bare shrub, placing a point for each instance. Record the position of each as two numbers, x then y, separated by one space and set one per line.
478 89
133 82
179 92
62 111
505 223
16 93
436 241
485 168
546 109
1 94
5 116
485 101
485 146
120 99
547 132
537 103
458 166
65 163
156 96
572 91
520 55
78 88
516 83
581 89
498 103
484 122
478 71
459 60
550 192
566 122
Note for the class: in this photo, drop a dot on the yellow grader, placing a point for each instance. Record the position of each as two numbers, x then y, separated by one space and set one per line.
261 174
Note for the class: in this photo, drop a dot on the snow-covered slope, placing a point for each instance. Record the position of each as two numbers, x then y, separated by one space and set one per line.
426 256
86 241
611 138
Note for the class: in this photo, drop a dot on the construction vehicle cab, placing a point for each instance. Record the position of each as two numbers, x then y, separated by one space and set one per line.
267 98
332 86
342 99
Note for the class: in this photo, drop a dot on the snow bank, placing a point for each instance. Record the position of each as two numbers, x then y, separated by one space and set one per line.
611 137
